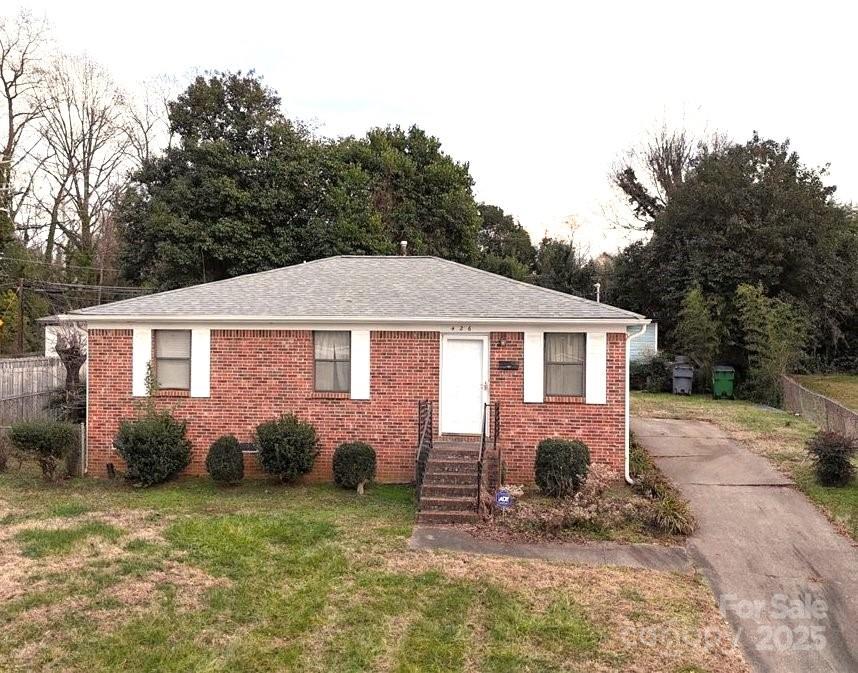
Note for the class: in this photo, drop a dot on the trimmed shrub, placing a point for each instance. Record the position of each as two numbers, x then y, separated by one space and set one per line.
287 447
561 466
832 457
154 448
48 442
354 465
654 375
224 462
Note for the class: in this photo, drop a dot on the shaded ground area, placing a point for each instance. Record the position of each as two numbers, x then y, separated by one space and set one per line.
840 387
653 556
785 579
99 577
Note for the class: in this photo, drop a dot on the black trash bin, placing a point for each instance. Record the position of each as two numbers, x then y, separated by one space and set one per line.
683 376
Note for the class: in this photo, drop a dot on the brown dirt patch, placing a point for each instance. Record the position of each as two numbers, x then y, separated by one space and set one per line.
190 583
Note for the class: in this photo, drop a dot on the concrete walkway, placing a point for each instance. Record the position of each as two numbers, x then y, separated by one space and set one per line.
786 581
653 556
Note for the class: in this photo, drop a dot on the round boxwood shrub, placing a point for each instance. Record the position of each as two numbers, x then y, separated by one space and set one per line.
224 462
287 447
561 466
354 465
48 442
832 456
154 448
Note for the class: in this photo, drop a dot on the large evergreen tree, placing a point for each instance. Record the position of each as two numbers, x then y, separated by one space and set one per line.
749 214
244 189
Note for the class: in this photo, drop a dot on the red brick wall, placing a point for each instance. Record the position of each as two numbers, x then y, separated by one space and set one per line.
600 426
257 375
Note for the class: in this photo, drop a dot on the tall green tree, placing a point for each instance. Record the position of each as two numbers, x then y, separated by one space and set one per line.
420 194
698 333
749 214
775 333
245 189
561 266
505 245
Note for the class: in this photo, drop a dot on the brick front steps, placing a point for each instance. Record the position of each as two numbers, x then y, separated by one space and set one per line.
449 491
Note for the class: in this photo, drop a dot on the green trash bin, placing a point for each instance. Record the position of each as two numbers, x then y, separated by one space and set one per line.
722 382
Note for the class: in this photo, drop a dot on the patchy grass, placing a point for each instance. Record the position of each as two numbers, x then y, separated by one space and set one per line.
840 387
39 542
100 577
775 434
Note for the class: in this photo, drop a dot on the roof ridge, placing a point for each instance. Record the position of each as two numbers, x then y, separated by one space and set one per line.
534 286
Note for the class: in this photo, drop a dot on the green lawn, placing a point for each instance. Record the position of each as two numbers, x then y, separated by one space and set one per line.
100 577
778 435
840 387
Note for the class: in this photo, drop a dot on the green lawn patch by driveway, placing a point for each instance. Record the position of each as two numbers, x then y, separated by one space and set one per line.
98 577
776 434
842 388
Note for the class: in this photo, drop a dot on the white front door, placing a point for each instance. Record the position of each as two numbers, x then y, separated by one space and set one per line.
464 365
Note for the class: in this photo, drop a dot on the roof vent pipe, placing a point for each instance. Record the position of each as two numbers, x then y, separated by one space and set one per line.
403 248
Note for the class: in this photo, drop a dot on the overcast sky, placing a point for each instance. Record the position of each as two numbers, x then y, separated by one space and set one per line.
539 98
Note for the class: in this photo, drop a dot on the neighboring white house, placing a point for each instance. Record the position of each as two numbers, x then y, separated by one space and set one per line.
646 346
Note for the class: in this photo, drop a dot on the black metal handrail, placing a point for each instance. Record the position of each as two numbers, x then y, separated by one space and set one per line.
424 441
491 415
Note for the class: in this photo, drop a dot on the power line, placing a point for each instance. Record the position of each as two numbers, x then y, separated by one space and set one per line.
58 267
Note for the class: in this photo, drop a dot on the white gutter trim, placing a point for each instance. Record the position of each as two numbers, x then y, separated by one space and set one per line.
228 319
629 338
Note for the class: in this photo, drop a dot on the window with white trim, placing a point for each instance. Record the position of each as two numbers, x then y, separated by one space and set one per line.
173 359
332 361
564 361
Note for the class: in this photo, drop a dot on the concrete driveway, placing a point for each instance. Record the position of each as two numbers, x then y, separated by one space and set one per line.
785 580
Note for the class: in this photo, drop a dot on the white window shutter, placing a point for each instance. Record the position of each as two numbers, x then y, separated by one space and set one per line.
534 355
596 377
201 362
141 356
360 369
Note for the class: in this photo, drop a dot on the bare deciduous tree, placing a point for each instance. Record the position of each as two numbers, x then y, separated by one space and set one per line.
649 174
22 40
147 124
84 131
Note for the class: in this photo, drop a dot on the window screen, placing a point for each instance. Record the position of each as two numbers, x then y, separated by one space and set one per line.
333 361
564 364
173 358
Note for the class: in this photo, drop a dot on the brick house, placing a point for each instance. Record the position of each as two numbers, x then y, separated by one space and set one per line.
353 344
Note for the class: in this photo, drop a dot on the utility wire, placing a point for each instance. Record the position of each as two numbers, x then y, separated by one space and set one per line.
58 267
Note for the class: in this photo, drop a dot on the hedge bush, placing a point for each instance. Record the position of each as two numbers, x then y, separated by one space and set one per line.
225 462
561 466
832 456
287 447
48 442
154 448
354 465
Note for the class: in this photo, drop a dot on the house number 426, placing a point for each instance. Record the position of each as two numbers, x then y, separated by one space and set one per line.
460 328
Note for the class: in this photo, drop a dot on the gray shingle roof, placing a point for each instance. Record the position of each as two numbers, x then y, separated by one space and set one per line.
387 288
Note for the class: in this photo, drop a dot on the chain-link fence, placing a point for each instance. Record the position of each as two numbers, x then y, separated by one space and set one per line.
821 410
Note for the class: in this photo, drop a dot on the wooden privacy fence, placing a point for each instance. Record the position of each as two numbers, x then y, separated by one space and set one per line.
819 409
26 387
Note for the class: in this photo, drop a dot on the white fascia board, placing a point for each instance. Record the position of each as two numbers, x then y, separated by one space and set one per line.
476 325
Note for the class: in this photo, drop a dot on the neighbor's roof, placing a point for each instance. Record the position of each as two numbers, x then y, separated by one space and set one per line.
354 287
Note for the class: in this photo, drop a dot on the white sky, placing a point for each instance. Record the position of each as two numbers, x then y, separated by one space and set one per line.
540 98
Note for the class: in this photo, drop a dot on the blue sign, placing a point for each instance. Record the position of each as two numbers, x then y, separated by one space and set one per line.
503 499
